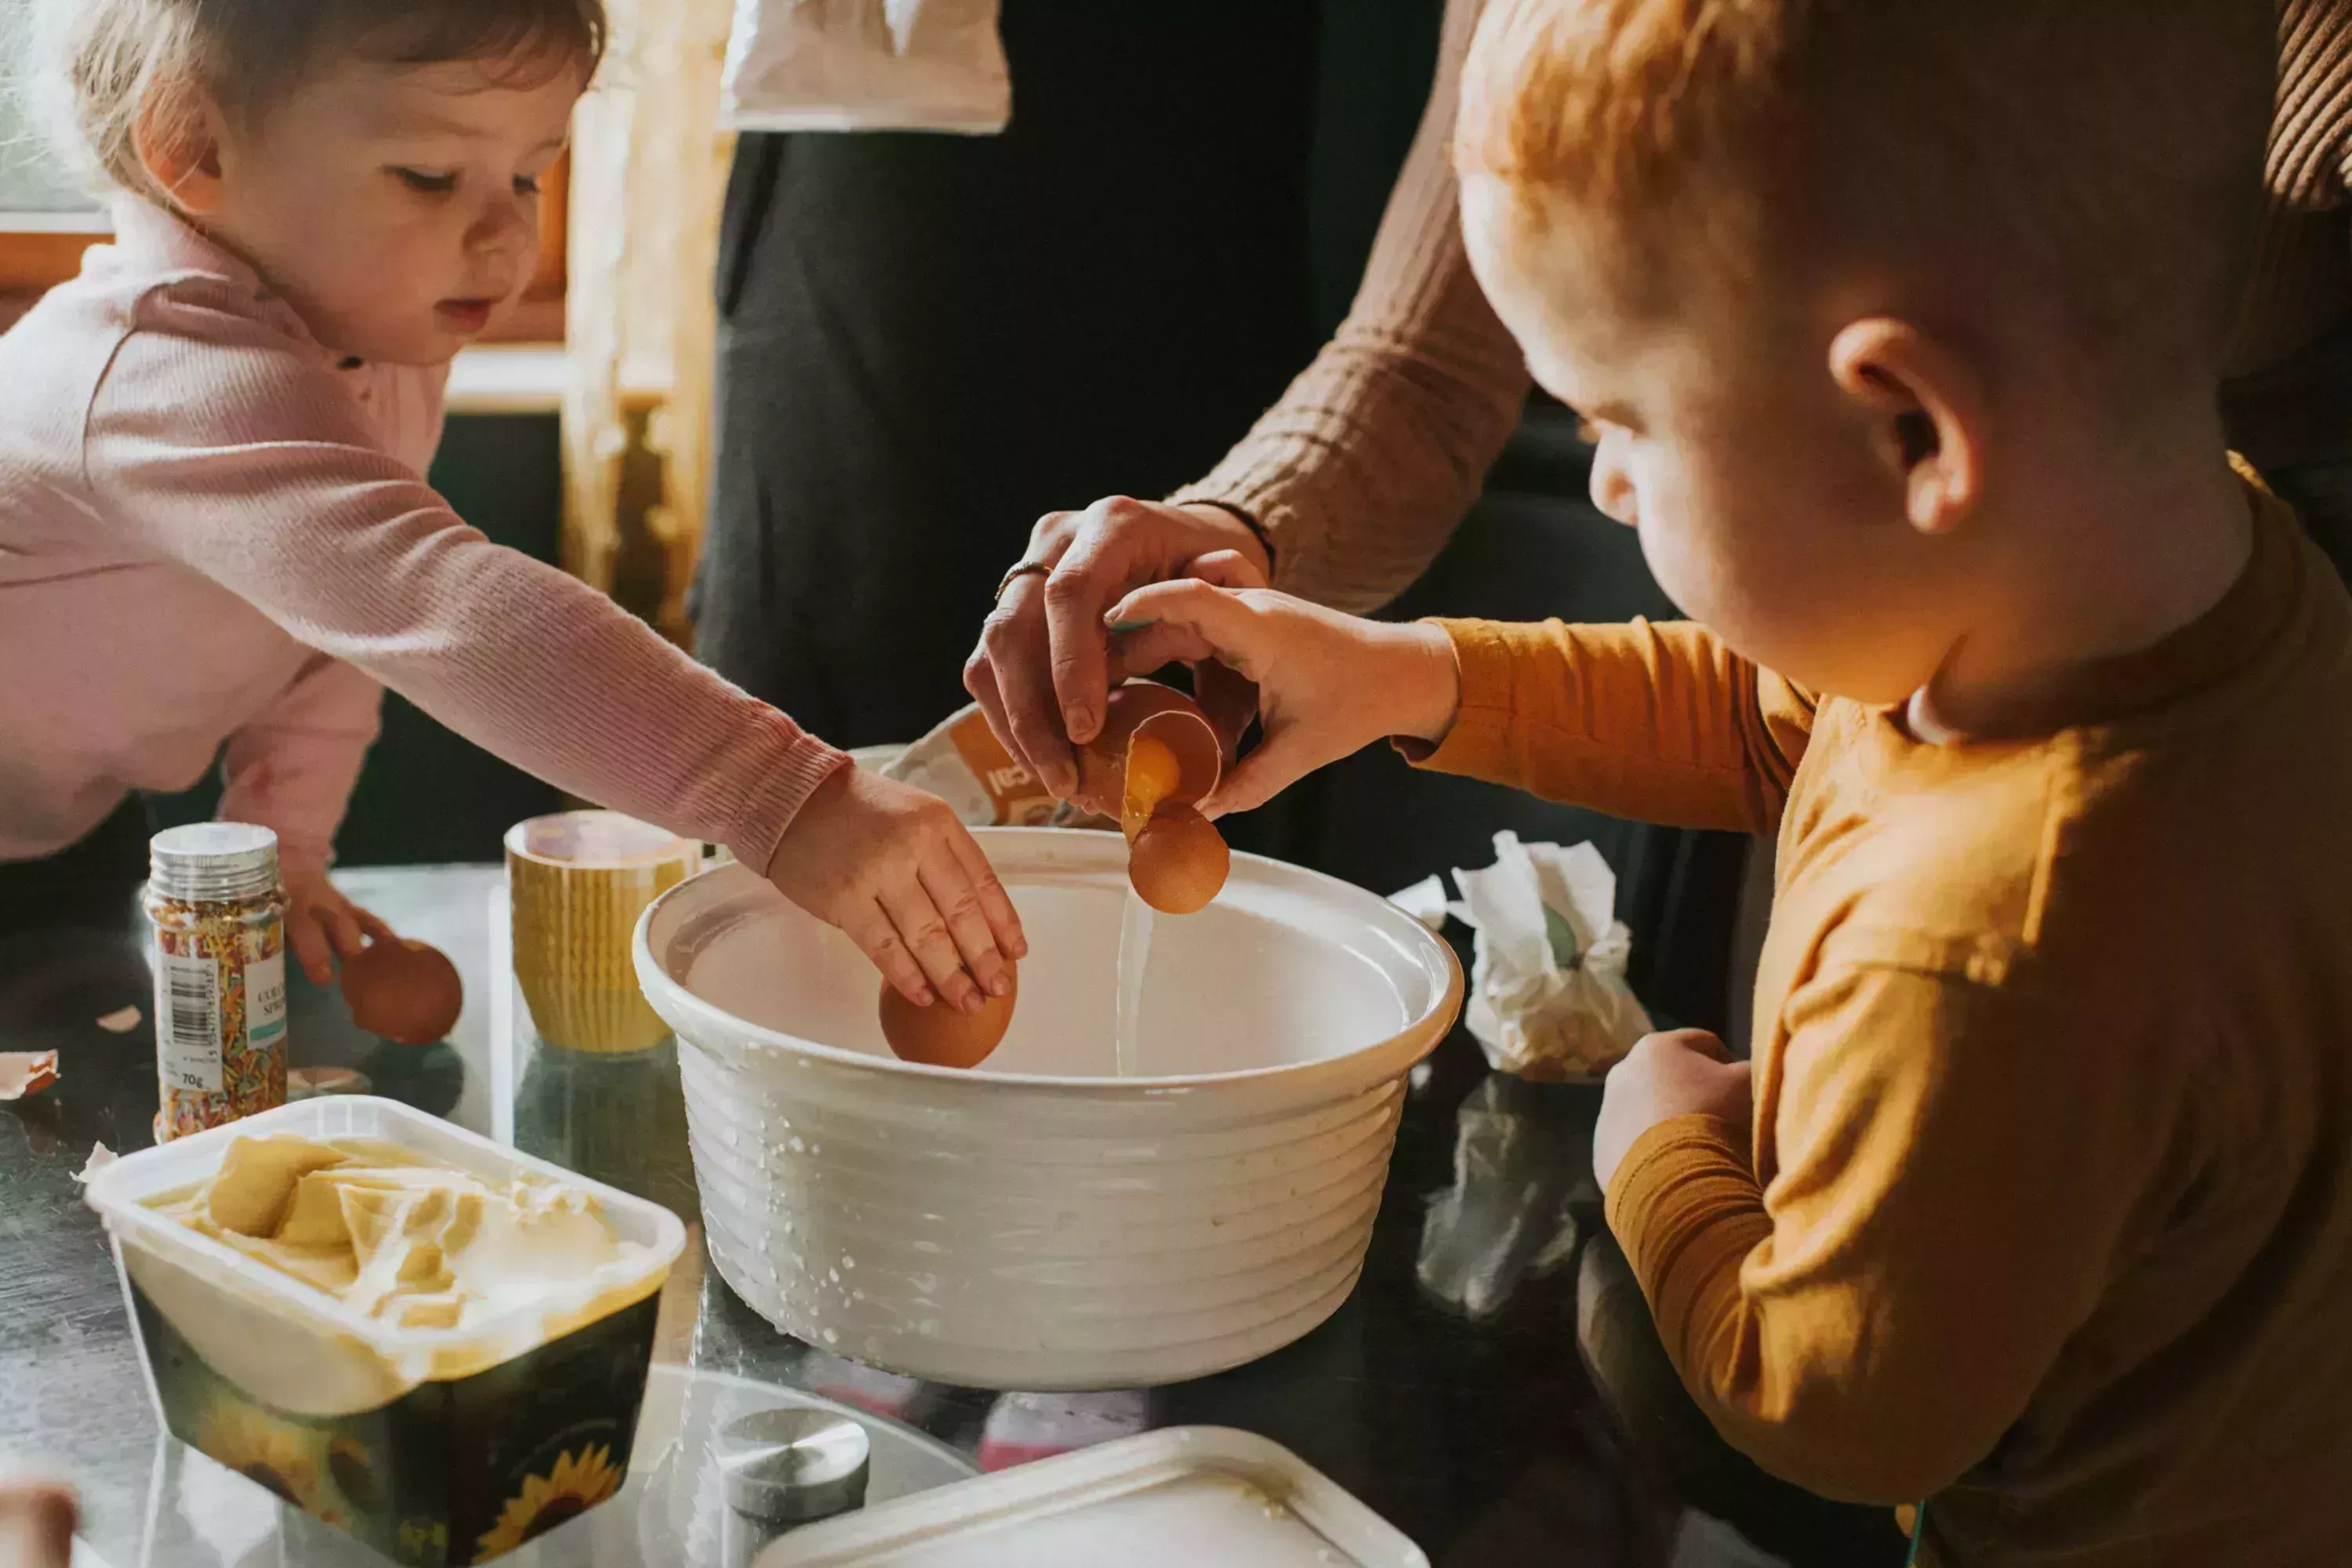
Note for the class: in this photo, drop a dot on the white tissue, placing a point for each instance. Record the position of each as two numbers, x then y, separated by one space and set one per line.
1548 995
866 65
1424 902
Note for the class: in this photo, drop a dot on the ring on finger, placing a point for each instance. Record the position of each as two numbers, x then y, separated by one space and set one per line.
1020 570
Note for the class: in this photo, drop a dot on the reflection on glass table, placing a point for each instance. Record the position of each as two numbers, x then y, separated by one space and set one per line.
670 1510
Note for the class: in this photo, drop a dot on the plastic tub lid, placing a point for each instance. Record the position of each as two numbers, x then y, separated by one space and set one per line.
1171 1498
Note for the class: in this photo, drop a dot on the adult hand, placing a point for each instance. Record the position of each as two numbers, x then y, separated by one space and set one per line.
1045 665
1686 1072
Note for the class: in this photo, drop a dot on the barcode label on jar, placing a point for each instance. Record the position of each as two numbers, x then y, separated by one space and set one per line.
187 1023
265 1002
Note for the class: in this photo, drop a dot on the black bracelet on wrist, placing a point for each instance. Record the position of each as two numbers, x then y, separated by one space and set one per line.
1257 529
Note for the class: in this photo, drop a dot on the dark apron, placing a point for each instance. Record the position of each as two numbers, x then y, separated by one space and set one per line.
927 341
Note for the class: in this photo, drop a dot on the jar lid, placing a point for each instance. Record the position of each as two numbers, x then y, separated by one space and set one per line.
794 1466
210 861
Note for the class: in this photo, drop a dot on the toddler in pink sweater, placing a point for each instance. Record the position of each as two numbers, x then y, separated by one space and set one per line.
214 539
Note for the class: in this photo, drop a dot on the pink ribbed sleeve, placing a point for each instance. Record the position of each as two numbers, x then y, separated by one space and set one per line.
291 767
252 465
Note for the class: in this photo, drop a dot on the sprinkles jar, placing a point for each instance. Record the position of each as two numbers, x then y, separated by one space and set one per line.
220 974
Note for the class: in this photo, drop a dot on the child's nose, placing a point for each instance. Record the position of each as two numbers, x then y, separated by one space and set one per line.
506 225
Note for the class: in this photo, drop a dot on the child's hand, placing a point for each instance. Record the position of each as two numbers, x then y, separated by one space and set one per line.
37 1524
322 925
899 874
1685 1073
1328 685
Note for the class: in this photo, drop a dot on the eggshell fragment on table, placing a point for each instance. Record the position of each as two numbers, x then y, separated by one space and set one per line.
315 1083
26 1072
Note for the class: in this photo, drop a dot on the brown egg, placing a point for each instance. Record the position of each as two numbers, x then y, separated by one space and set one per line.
1178 862
405 991
1174 739
938 1035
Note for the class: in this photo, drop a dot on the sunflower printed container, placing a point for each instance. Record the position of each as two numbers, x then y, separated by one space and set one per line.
437 1448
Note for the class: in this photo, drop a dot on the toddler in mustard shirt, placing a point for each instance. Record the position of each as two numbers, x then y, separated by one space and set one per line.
1899 329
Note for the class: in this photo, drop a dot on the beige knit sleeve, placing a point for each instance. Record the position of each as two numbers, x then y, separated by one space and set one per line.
1376 451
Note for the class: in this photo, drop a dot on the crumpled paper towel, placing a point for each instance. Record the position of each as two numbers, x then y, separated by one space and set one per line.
866 65
1548 1000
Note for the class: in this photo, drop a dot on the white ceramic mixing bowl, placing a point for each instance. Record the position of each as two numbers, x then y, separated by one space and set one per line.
1040 1223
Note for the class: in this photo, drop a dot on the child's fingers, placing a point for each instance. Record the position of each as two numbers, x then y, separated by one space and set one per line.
373 925
995 903
1226 569
310 947
877 937
1280 762
1223 626
1707 1044
949 888
1156 646
1229 700
343 925
925 932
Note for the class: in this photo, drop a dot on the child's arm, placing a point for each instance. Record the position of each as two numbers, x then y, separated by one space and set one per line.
1958 1166
225 448
291 769
1658 722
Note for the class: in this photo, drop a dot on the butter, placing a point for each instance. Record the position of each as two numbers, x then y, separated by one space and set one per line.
396 1237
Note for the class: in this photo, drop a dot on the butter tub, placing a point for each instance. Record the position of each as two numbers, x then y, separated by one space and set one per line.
435 1446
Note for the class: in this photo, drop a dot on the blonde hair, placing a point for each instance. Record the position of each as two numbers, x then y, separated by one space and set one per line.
2102 156
108 66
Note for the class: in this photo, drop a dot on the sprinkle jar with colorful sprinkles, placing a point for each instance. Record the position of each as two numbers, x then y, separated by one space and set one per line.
220 974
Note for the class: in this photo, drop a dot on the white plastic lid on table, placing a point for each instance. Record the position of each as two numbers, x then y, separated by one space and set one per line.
1172 1498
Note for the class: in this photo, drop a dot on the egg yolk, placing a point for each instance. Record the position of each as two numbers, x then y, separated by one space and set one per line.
1153 774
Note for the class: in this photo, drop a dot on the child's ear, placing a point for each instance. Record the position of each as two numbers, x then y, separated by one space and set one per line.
178 142
1926 413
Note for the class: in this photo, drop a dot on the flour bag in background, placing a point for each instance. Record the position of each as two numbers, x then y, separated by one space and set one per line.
1548 1000
965 764
866 65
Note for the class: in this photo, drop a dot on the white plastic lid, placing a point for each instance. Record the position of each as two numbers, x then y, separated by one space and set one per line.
1177 1497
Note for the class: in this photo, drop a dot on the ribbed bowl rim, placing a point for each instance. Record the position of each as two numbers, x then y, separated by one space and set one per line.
691 1015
